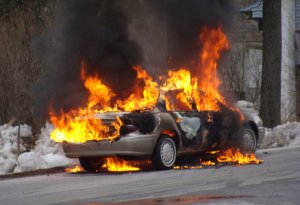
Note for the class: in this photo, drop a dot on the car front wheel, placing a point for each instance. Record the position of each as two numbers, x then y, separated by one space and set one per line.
249 139
165 153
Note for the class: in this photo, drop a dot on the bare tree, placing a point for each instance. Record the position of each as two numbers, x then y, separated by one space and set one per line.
233 73
254 77
17 67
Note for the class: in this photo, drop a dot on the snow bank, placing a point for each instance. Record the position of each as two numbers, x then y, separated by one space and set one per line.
283 135
9 146
46 154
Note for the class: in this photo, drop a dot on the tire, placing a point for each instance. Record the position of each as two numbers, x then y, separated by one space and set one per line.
91 164
164 154
248 139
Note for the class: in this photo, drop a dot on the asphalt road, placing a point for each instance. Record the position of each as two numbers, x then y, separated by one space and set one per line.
276 181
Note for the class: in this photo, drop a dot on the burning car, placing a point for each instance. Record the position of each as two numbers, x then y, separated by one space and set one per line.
178 114
162 135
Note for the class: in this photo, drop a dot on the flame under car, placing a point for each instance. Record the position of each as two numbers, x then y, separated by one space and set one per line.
162 135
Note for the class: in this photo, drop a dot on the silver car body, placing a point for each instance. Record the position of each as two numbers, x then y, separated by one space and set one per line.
186 128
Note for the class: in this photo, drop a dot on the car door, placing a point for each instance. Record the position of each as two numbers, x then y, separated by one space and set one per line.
188 120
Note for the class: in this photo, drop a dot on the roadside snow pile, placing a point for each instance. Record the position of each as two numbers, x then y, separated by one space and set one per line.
282 136
247 108
9 146
46 154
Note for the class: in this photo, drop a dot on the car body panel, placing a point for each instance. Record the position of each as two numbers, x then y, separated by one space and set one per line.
130 145
193 132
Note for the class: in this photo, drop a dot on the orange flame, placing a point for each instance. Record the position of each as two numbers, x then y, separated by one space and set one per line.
118 165
188 167
208 163
229 156
194 90
201 89
142 98
100 94
214 41
235 156
79 125
112 164
75 169
181 81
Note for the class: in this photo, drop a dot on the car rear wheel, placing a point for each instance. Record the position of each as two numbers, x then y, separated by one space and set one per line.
91 164
165 153
249 139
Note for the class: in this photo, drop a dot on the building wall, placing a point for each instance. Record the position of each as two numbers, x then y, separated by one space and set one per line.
252 72
246 58
288 72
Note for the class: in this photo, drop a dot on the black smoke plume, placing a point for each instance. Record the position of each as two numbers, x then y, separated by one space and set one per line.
100 33
91 30
184 21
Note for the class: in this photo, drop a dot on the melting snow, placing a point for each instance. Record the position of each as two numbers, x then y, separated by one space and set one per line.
46 154
281 136
285 135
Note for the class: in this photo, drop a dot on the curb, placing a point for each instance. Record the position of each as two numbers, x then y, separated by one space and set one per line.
37 172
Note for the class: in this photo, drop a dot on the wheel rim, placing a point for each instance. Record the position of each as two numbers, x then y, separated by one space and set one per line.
249 140
168 152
